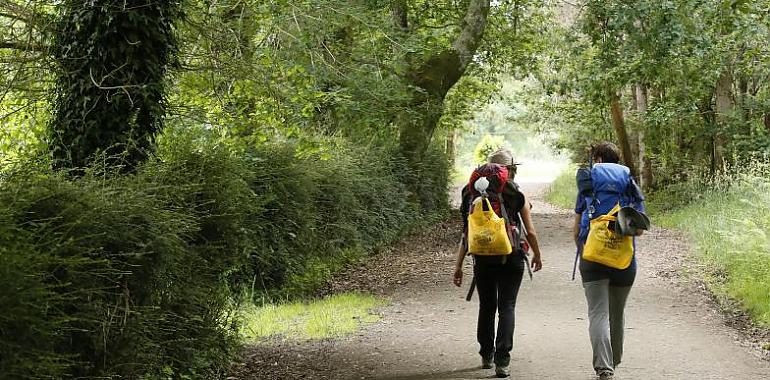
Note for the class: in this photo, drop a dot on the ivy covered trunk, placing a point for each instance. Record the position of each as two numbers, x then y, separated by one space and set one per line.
112 58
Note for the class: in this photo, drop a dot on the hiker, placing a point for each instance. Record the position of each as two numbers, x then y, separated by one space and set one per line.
498 278
602 189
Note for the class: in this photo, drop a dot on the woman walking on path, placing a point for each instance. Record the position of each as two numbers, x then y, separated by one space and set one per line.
498 278
606 288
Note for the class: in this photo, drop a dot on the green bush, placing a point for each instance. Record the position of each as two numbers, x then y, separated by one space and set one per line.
117 285
486 146
28 328
139 276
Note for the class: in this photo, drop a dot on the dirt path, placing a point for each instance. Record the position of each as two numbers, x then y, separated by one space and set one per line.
428 330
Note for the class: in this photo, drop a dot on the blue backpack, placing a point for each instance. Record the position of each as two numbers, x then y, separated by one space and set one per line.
602 187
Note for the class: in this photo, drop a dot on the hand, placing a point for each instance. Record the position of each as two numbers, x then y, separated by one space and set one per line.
458 276
537 263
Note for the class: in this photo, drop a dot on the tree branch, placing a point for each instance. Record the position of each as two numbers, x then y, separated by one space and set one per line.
474 24
449 25
30 17
13 16
22 46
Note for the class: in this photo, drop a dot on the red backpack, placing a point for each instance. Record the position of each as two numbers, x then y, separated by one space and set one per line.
497 175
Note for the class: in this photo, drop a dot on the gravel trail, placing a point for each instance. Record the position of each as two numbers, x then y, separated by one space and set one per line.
428 329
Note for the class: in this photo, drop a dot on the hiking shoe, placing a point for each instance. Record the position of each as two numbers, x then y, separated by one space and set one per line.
502 371
605 374
486 363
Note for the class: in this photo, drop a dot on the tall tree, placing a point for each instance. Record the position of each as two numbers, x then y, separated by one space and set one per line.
724 107
645 167
112 59
432 78
621 133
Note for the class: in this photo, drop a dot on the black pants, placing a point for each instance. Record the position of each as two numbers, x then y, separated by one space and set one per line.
498 285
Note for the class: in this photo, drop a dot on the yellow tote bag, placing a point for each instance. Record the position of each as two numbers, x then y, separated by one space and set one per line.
607 247
487 235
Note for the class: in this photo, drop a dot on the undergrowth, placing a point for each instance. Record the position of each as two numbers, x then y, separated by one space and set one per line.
728 220
142 275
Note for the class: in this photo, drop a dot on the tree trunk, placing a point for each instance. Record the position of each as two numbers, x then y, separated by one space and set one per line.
647 176
619 124
743 90
399 10
724 106
767 122
451 147
416 128
641 107
434 78
641 99
633 137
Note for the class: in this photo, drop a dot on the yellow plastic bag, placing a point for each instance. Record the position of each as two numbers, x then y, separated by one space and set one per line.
605 246
487 235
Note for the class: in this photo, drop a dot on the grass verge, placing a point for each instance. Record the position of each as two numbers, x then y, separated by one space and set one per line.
562 191
728 222
331 317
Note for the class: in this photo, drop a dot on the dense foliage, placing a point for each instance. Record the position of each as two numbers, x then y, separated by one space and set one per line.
681 85
271 143
277 161
138 275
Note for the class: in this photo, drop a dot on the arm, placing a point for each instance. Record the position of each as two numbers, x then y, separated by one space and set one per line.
462 247
526 217
580 207
460 257
576 229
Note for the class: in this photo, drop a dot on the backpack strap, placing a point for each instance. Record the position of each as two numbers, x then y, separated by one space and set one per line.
634 193
592 206
471 288
515 243
526 258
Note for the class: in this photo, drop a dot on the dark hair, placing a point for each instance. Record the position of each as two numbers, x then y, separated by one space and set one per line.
607 151
511 171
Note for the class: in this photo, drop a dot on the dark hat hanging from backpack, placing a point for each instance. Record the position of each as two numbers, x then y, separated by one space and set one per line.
630 221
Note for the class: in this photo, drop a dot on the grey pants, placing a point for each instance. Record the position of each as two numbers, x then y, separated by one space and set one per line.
605 316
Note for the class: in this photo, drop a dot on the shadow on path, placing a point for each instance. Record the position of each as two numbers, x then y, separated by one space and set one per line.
463 373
